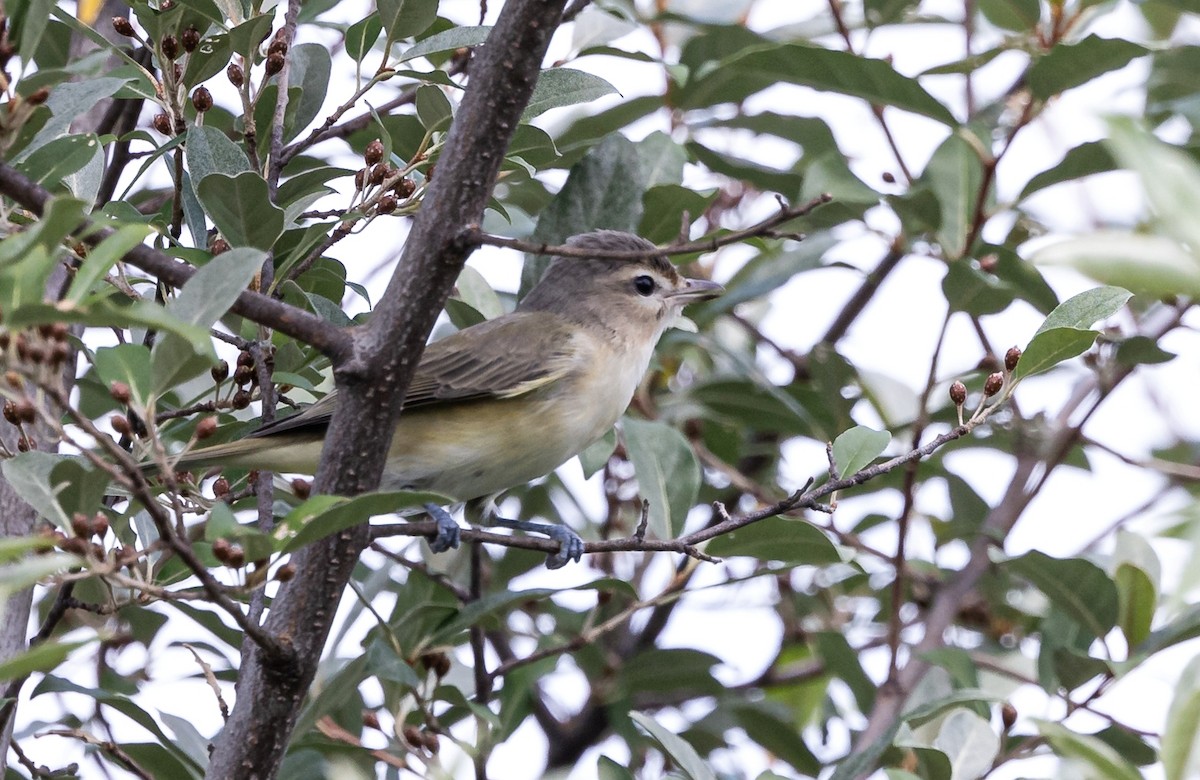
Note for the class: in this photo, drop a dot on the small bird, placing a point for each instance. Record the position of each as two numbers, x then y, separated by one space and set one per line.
508 400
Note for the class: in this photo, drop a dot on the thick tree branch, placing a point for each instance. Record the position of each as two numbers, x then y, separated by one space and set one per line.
373 380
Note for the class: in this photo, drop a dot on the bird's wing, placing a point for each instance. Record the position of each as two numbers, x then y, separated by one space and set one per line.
502 358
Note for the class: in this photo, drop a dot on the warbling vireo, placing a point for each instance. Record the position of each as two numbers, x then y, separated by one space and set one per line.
508 400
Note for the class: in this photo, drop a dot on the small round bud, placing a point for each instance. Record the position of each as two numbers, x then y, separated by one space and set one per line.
404 187
5 339
10 412
166 5
431 742
237 557
1011 359
206 428
26 411
220 487
412 735
242 375
374 152
122 26
219 246
170 47
127 556
436 662
190 38
1008 715
277 46
274 63
235 75
241 399
958 393
889 177
75 545
221 548
378 174
387 204
14 379
988 263
370 719
202 99
120 392
220 372
81 524
25 444
993 384
302 488
120 424
100 524
360 178
177 69
162 123
38 96
285 572
244 358
429 173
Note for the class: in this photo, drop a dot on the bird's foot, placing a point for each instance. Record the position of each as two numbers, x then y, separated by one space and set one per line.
570 545
447 536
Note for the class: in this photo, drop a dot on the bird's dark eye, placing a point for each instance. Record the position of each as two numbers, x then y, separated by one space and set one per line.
644 285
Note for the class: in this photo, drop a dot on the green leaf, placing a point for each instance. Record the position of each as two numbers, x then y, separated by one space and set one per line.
102 257
1069 65
433 108
823 69
361 36
854 450
476 292
842 660
607 769
663 208
28 473
667 473
662 159
310 68
448 40
1137 597
209 151
596 456
558 87
406 18
1078 587
1092 752
777 539
603 190
322 515
778 734
1015 15
1148 265
1170 178
1181 738
955 175
969 289
205 299
1083 160
40 658
968 742
1065 332
246 37
241 208
683 755
66 103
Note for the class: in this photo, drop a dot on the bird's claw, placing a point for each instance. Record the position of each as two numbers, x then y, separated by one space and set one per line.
570 547
448 533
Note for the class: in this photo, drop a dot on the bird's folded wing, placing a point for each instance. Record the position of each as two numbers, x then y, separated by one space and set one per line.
502 358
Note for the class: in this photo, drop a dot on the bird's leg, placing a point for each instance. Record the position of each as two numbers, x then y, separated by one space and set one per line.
570 545
447 530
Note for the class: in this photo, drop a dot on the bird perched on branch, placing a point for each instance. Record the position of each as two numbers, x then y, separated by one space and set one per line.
509 400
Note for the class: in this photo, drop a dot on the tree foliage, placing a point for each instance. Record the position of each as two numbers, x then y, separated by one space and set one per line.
797 564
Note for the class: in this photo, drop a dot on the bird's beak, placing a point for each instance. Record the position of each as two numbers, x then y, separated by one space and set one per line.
696 290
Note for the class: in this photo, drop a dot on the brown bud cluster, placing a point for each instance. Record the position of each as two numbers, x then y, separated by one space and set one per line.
220 487
120 392
387 204
219 246
285 572
86 526
405 188
229 553
202 99
162 123
241 399
170 47
235 75
120 424
360 178
958 393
